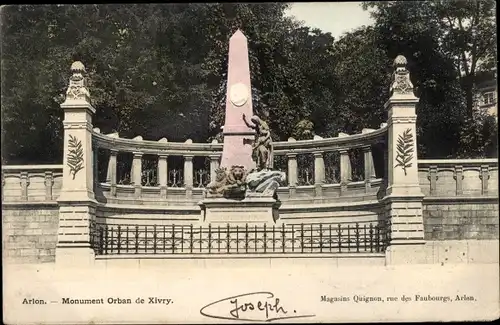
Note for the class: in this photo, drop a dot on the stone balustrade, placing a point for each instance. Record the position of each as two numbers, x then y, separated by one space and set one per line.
458 177
31 183
178 171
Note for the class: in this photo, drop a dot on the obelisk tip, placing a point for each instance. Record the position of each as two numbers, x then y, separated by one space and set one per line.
238 34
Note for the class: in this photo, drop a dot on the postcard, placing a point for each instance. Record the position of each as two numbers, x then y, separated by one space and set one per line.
245 163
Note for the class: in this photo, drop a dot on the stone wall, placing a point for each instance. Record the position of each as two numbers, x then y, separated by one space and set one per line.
29 233
451 220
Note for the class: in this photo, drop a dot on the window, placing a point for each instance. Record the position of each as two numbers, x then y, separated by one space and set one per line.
489 98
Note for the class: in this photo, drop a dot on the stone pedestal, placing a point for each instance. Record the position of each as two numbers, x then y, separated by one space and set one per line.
76 201
251 210
403 200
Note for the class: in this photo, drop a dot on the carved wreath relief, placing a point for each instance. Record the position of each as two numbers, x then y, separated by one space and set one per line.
75 155
404 150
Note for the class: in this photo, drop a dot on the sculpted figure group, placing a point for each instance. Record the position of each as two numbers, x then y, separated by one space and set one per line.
262 181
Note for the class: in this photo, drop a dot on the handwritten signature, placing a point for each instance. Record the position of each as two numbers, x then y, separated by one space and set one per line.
255 306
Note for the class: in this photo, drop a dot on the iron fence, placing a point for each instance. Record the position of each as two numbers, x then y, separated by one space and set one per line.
108 239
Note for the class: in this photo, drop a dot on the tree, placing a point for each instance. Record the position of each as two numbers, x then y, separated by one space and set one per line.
435 49
463 31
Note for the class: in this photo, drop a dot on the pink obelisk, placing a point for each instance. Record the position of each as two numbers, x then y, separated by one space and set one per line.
238 138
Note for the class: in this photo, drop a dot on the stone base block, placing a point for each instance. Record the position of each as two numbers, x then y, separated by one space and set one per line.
74 256
411 253
251 210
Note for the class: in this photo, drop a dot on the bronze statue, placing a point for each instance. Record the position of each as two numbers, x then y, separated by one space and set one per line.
262 150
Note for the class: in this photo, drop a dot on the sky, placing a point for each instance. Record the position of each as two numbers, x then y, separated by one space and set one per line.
334 17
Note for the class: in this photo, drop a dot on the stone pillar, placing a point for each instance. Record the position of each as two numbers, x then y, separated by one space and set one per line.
49 182
25 182
484 176
292 173
319 173
214 164
188 176
369 168
137 174
458 175
433 177
163 175
345 171
76 201
404 197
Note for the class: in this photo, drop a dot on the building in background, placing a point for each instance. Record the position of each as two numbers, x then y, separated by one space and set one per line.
487 92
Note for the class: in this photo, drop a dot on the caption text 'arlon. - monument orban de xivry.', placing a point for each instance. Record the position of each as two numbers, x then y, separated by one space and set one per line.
255 198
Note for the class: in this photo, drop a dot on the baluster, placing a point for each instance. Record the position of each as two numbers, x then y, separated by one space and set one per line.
458 175
111 176
319 172
188 175
484 176
214 164
162 175
292 173
137 174
377 238
433 177
339 233
293 239
49 183
345 171
25 182
369 167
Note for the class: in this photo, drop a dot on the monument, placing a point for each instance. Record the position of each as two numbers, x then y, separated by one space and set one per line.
245 186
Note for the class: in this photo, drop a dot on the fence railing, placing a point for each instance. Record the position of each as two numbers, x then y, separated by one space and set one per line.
107 239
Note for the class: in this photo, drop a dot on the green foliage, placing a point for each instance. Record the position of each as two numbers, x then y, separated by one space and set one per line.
446 43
